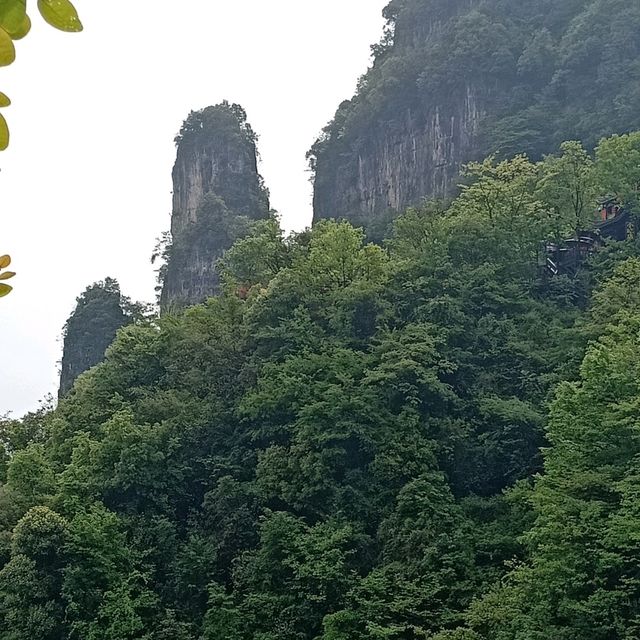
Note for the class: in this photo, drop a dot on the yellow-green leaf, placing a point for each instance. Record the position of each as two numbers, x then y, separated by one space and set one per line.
4 100
4 133
7 50
5 289
7 274
22 29
12 14
5 261
60 14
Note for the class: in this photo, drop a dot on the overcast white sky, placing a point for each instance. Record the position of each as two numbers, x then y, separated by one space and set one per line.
85 187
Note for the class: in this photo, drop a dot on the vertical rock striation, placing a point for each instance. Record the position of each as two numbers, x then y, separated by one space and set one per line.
217 192
395 166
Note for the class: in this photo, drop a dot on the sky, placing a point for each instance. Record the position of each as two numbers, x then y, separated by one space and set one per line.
85 187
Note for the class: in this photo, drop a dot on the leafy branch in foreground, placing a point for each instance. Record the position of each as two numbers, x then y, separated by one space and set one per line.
5 261
16 24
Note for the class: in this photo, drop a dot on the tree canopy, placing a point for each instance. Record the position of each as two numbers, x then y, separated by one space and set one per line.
421 439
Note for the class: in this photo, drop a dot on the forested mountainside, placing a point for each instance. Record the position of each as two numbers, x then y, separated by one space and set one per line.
100 311
431 438
458 80
217 192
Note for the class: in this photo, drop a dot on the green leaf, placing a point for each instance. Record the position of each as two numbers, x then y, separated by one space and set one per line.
7 50
60 14
7 275
4 100
4 135
5 261
4 289
22 30
12 15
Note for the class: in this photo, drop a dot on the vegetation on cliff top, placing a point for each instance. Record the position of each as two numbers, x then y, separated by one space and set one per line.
345 443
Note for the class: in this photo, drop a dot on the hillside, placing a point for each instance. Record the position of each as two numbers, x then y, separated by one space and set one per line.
432 438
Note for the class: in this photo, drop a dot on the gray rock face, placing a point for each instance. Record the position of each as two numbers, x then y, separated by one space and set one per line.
217 192
383 154
398 165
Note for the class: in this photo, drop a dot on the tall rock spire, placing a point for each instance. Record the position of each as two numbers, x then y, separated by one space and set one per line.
217 193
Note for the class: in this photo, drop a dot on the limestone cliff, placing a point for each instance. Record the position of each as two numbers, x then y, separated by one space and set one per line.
457 80
217 192
100 311
397 166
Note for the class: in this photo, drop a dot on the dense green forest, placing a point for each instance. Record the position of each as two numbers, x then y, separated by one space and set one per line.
423 438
